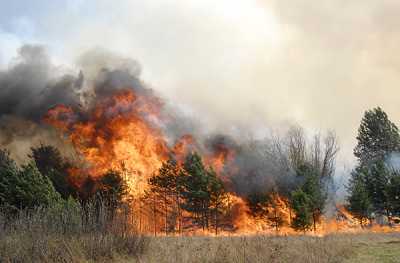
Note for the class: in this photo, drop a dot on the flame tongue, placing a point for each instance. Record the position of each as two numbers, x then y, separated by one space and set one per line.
119 133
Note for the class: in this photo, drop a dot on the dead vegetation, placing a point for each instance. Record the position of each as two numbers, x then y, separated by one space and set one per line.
74 234
67 234
243 249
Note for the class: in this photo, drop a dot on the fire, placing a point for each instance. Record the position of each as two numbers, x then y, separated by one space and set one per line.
117 134
124 132
220 156
184 146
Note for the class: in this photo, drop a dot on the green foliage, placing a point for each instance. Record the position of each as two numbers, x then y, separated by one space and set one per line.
202 193
167 181
195 188
359 203
300 203
166 186
309 198
377 137
376 179
24 187
373 187
218 197
8 176
50 163
393 193
112 189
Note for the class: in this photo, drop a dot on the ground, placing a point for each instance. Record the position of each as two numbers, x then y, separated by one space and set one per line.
381 252
348 248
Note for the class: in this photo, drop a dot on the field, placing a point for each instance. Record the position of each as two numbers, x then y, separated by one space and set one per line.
98 247
332 248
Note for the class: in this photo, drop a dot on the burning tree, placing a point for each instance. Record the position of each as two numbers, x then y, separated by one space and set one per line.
269 208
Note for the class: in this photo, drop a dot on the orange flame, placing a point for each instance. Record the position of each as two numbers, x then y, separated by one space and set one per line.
116 135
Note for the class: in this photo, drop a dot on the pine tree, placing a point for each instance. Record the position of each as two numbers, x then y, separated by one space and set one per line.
195 189
377 137
313 188
359 203
218 198
112 189
166 184
25 187
393 194
376 180
203 192
300 204
50 163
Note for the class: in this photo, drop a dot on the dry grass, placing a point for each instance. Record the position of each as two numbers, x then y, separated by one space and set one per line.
332 248
73 234
66 234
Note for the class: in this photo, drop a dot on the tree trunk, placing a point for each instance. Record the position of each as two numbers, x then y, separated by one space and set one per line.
166 214
216 220
314 223
154 216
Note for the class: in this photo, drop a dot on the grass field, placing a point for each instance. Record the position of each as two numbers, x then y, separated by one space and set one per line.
376 251
333 248
54 236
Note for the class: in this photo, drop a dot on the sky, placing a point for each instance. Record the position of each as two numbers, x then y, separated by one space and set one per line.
239 64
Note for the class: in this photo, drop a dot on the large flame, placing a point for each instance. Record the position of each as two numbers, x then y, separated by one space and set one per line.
118 134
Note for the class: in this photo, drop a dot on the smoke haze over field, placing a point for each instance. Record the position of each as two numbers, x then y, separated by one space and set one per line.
241 66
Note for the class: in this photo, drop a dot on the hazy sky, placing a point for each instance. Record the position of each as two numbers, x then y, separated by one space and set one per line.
243 63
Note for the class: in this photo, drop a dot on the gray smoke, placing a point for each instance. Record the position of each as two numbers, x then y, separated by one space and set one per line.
32 85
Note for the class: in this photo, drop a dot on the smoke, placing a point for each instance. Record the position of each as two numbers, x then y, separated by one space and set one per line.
249 64
393 161
239 68
29 86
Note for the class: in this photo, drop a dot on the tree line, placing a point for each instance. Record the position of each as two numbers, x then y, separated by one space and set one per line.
189 195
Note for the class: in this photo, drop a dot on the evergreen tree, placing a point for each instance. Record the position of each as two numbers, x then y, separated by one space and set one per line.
300 204
315 191
167 186
50 163
359 203
376 180
218 198
202 191
377 137
393 193
195 189
8 176
112 189
24 187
